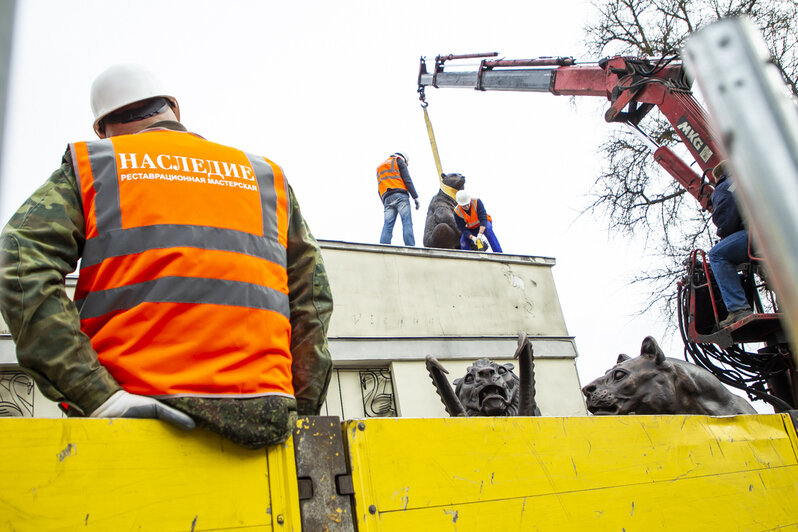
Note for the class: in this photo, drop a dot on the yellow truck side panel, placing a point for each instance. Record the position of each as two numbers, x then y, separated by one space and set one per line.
463 474
132 474
633 473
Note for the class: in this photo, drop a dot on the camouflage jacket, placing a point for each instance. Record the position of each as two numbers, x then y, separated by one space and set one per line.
42 243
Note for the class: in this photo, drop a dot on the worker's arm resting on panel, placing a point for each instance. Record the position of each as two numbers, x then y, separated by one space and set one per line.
311 305
41 245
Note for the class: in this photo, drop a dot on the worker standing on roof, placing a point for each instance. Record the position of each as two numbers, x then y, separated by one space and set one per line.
394 185
202 297
732 248
473 221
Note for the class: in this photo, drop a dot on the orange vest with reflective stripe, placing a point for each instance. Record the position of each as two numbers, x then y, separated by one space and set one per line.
470 217
183 286
388 176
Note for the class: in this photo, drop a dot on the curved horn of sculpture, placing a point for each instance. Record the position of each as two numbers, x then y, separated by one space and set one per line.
445 391
526 373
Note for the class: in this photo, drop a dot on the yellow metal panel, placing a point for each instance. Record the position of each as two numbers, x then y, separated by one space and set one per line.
643 472
126 474
283 488
707 504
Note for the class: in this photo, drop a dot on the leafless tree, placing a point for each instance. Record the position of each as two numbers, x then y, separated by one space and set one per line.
632 190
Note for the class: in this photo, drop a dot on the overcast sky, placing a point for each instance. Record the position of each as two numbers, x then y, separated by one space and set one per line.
328 90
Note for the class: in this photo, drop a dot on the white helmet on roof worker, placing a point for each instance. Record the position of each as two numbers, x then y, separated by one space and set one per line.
463 198
121 85
403 156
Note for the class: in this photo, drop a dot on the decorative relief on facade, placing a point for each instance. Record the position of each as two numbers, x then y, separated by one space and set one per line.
377 390
360 392
16 394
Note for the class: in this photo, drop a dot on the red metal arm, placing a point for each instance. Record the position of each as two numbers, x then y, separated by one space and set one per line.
617 80
633 87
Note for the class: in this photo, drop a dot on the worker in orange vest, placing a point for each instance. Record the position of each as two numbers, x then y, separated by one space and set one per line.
202 298
395 185
473 221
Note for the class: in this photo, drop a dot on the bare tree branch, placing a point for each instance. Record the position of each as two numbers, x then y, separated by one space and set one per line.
634 194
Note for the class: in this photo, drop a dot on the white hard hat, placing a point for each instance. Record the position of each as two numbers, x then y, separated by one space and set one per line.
403 156
123 84
463 198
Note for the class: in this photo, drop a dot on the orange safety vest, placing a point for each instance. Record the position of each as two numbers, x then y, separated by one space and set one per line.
183 286
470 217
388 176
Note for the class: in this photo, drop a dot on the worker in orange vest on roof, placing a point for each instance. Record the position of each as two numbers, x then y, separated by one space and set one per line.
395 186
473 221
202 297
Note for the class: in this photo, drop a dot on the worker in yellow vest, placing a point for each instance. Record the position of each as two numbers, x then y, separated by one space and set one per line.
473 221
202 298
395 186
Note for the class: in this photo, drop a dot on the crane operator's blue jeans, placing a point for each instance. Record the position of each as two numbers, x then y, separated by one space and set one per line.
393 205
724 258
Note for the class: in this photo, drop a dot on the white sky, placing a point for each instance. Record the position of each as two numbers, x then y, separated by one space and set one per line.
328 90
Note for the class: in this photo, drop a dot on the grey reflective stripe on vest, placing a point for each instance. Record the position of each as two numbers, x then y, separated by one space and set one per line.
140 239
393 168
268 197
389 177
76 171
183 290
106 186
100 153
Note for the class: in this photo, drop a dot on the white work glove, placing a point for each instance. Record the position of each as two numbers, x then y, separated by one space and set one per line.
417 203
124 404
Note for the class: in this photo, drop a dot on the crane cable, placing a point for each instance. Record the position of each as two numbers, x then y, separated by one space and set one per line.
449 191
446 189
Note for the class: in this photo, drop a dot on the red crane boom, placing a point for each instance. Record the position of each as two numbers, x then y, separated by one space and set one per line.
633 86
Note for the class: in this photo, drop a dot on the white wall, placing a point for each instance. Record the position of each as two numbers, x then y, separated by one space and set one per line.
396 305
398 291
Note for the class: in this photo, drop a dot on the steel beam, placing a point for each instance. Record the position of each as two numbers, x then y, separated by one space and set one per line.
498 80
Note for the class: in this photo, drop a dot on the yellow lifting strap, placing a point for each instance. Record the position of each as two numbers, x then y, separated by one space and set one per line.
445 188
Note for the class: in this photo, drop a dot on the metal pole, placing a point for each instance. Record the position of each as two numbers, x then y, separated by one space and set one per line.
7 8
538 80
758 125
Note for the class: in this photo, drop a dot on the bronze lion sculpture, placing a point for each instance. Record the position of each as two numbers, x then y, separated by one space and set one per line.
655 384
489 388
